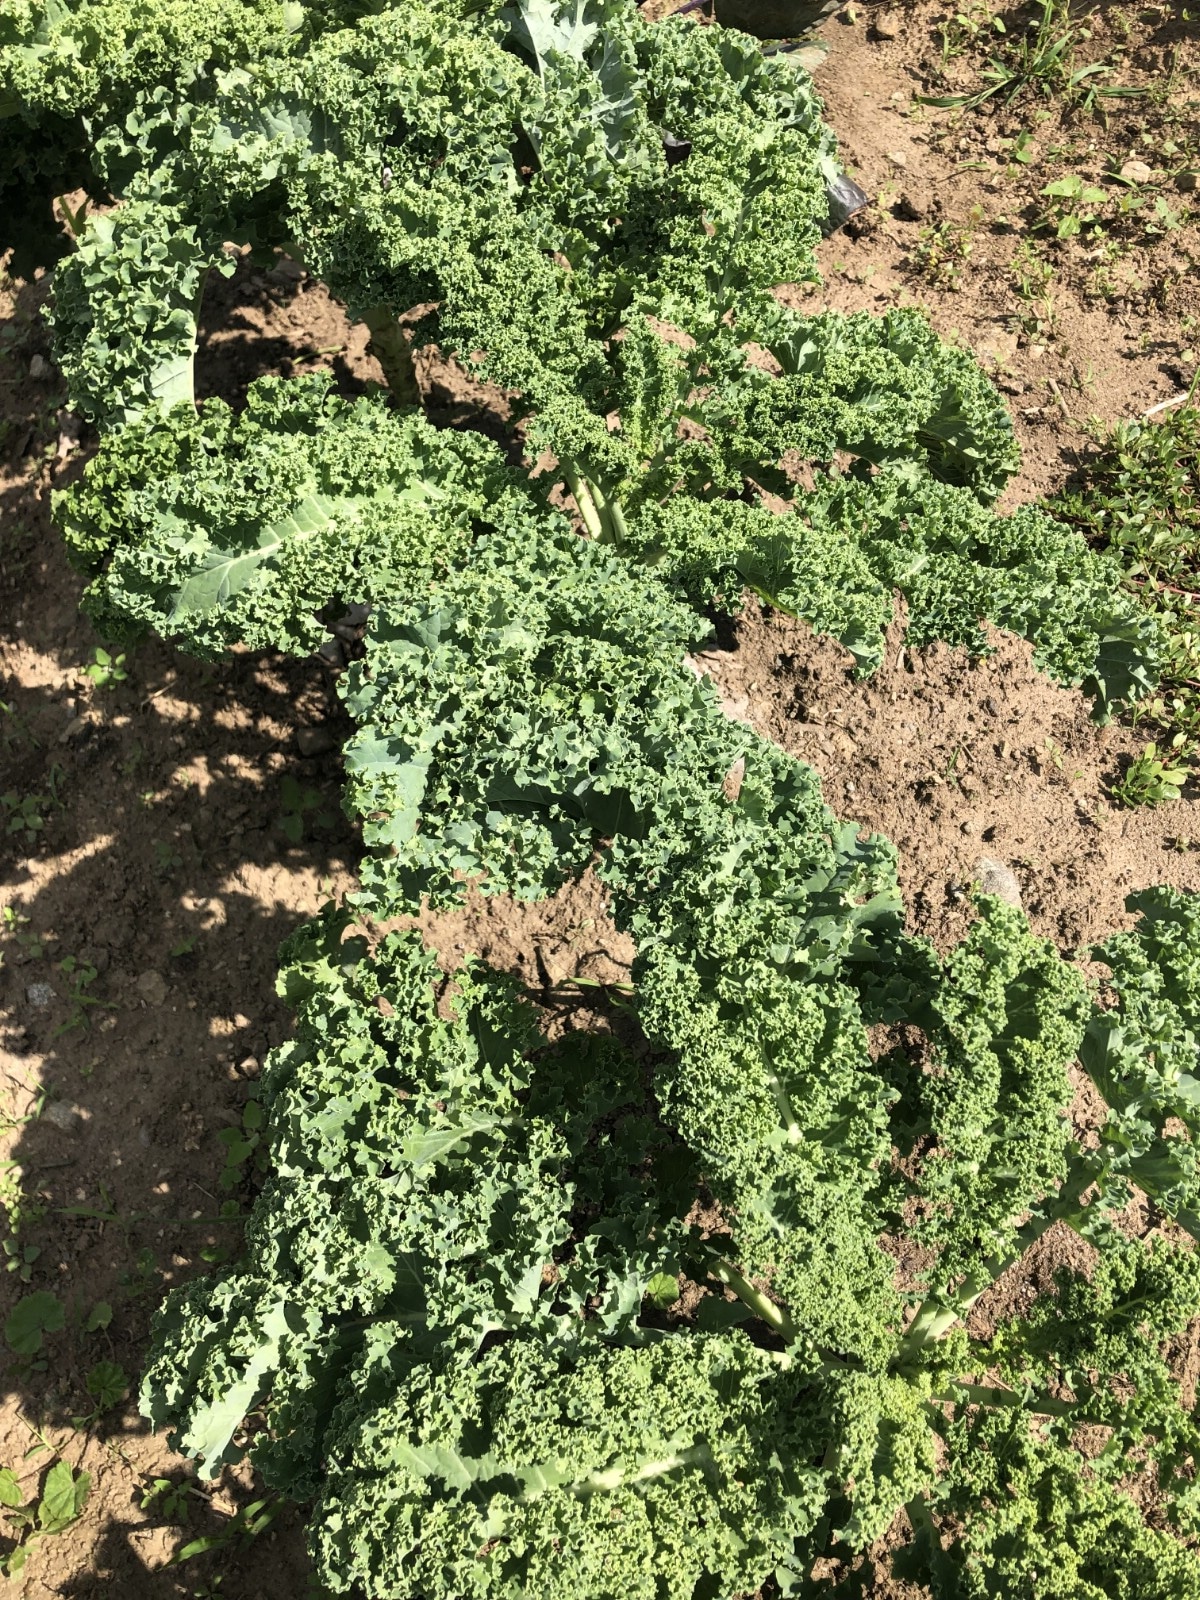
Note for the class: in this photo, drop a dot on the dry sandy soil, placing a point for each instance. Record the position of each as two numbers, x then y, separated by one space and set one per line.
146 840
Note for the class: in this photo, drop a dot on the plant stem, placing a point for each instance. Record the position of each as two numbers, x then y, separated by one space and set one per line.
583 499
394 354
938 1314
763 1307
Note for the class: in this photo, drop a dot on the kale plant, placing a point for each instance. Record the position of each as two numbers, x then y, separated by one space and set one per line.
696 1305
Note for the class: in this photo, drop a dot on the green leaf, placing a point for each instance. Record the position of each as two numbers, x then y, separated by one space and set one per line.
663 1290
100 1316
64 1495
31 1317
10 1488
107 1383
225 573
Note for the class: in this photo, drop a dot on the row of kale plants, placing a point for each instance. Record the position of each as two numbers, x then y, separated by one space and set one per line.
617 1316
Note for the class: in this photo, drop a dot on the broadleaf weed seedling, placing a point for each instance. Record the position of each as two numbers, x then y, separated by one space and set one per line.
105 670
1150 780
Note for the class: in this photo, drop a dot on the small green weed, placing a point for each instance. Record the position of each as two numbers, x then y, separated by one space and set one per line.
301 810
1139 499
63 1495
105 669
1041 58
940 252
81 1002
170 1500
24 815
107 1386
1150 780
1074 207
167 858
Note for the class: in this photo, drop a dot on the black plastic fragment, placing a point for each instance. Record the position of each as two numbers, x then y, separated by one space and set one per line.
775 19
845 198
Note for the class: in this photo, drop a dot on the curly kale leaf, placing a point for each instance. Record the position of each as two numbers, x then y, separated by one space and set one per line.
693 1460
1142 1055
218 529
1003 1021
126 309
1034 1521
434 1167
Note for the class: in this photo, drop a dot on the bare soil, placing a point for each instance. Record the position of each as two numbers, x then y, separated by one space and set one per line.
156 851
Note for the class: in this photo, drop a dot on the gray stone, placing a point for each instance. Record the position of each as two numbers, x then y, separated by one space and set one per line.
995 878
40 995
152 987
67 1119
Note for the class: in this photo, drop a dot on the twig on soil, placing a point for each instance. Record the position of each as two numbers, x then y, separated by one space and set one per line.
1058 395
1164 405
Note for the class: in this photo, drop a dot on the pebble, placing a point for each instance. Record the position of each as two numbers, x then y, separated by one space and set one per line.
40 995
995 878
1136 172
152 987
315 741
897 158
41 370
886 25
68 1119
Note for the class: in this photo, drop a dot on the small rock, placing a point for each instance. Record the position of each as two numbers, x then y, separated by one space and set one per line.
41 370
68 1119
886 25
40 995
898 158
1136 172
1188 182
969 828
248 1067
995 878
152 987
315 741
75 729
991 705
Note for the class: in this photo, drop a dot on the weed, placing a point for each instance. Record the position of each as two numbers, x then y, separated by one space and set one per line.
24 815
107 1386
83 976
1150 780
1073 207
170 1500
967 26
18 1258
63 1495
301 809
1139 498
941 251
167 858
1041 58
105 670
